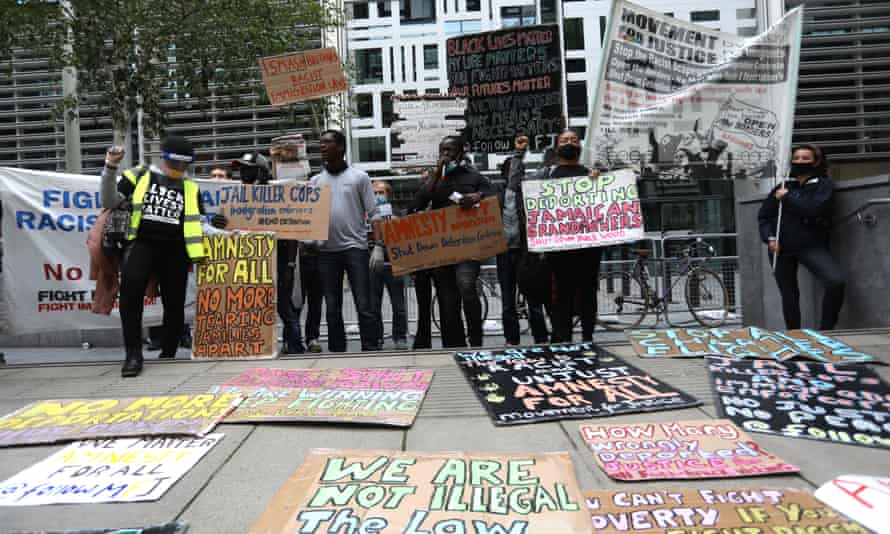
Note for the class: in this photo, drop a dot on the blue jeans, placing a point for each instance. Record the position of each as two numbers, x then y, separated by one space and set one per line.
507 265
354 262
395 286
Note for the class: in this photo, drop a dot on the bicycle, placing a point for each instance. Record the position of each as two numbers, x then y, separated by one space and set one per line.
484 288
626 296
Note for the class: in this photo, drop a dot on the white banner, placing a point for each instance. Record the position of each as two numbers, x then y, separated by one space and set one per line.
677 100
107 470
420 125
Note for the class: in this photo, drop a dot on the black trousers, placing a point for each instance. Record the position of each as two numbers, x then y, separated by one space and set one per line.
170 265
423 291
508 264
575 272
824 267
310 277
456 284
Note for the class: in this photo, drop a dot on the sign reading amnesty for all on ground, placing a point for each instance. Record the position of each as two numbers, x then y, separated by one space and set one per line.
302 76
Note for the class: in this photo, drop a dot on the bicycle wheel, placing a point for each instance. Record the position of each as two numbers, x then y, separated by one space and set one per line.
483 292
434 311
621 301
706 297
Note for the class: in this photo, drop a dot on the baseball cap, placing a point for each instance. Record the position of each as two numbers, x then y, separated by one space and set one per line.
177 148
252 159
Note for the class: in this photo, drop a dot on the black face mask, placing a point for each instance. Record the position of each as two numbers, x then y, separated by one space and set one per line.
568 151
802 169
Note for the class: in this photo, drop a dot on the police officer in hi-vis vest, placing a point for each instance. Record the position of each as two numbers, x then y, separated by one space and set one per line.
165 237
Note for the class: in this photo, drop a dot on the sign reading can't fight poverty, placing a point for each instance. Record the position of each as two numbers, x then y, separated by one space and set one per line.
397 492
751 342
111 470
821 401
235 311
444 236
512 80
293 210
51 421
714 511
302 76
421 122
863 498
713 448
534 384
368 396
582 212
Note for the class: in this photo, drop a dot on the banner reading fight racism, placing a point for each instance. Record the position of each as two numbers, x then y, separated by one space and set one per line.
298 210
421 122
582 212
302 76
682 101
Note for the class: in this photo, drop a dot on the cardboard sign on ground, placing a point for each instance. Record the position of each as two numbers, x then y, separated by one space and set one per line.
369 396
302 76
863 498
444 237
112 470
534 384
822 401
52 421
449 492
714 511
235 310
712 448
292 210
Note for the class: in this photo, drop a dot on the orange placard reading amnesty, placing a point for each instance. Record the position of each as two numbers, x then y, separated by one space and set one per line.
302 76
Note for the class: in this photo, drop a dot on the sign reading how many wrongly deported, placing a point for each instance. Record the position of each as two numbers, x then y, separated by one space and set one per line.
582 212
368 396
444 236
713 448
397 492
235 310
51 421
302 76
296 210
534 384
821 401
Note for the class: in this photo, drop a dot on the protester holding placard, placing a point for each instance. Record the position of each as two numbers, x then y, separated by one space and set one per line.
395 285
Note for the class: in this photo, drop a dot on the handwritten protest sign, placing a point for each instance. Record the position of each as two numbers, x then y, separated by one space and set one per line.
714 511
821 401
444 236
51 421
112 470
713 448
302 76
582 212
865 499
421 122
235 308
370 396
529 385
396 492
751 342
298 210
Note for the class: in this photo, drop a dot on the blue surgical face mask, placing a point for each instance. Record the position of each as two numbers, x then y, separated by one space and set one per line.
381 199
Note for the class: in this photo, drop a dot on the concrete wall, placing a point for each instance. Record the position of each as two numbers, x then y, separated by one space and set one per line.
863 250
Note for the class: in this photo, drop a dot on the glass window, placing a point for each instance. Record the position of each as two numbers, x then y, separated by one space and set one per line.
412 11
386 108
704 16
576 65
749 31
576 93
384 9
669 14
430 57
359 10
517 16
474 5
603 30
548 11
369 65
574 38
460 27
371 148
364 105
746 13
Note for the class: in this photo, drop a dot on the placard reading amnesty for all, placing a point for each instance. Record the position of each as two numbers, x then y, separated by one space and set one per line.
297 210
302 76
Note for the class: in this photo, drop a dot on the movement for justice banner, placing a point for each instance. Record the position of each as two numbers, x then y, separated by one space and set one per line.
368 396
302 76
677 100
396 492
420 123
235 312
295 210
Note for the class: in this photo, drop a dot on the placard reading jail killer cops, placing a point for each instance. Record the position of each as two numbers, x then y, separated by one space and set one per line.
51 421
302 76
396 492
751 342
512 80
529 385
235 309
110 470
368 396
714 511
582 212
821 401
294 210
712 448
444 236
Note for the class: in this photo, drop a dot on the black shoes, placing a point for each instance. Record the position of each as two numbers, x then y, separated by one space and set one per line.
133 364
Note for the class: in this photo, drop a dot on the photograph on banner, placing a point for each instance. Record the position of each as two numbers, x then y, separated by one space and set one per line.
109 470
235 312
419 125
712 448
293 210
512 80
52 421
178 527
532 384
727 510
367 396
289 158
444 236
844 404
582 212
303 76
751 342
863 498
681 101
444 492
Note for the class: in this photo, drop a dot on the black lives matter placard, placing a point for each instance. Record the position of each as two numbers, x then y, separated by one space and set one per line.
822 401
534 384
512 80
